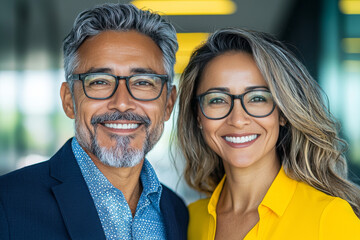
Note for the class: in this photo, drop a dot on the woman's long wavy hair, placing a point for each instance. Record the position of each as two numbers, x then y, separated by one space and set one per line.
309 147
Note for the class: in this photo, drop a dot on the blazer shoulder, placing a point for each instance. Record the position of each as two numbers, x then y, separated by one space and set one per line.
24 182
36 176
29 173
171 196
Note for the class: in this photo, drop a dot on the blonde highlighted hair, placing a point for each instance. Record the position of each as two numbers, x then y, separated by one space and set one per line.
309 147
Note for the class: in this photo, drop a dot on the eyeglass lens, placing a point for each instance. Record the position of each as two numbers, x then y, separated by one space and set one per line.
140 86
257 103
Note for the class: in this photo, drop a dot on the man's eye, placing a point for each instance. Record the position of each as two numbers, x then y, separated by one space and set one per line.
99 82
143 83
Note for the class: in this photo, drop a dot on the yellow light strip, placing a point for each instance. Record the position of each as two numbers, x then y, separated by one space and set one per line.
188 7
349 6
352 66
187 44
351 45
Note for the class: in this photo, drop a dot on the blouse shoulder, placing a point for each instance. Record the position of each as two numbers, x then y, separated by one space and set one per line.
199 206
199 219
339 221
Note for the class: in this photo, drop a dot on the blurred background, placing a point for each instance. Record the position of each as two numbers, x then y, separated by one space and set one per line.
324 34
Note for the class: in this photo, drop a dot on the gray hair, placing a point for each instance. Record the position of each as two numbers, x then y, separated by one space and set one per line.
120 17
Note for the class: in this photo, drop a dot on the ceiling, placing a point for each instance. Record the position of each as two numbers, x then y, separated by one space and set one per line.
31 31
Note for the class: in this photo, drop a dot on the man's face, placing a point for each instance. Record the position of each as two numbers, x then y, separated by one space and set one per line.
118 131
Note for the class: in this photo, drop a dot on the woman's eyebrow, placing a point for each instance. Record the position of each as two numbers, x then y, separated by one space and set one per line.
221 89
255 87
225 89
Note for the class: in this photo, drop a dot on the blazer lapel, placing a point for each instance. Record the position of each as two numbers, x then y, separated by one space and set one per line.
170 221
175 216
73 197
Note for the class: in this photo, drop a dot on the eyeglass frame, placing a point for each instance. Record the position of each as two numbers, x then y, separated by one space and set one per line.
81 77
233 97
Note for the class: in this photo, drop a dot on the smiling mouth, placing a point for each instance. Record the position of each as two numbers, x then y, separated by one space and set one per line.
243 139
122 126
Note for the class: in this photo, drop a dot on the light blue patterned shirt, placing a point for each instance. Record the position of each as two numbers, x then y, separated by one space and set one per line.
113 210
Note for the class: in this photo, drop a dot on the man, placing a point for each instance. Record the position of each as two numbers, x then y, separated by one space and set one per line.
119 67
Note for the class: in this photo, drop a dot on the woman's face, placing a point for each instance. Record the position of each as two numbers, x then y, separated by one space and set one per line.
242 141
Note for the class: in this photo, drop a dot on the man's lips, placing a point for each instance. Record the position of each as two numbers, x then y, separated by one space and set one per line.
125 126
241 139
121 120
121 125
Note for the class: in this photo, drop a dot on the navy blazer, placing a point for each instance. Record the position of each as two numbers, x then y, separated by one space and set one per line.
51 201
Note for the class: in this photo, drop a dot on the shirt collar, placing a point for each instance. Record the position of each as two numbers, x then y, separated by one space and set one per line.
215 197
280 193
152 188
92 175
277 197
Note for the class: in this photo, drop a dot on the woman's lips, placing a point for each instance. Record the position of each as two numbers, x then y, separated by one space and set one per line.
241 141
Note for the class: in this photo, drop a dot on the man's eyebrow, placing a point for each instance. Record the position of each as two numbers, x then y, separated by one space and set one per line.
132 70
142 70
99 70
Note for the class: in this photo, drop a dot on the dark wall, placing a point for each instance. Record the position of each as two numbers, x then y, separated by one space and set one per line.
302 33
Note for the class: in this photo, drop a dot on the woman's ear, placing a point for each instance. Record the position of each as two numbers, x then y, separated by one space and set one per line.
282 120
199 122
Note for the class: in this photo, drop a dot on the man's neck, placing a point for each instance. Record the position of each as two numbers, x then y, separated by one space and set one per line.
127 180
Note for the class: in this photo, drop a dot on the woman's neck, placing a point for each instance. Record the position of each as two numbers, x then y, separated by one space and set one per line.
245 188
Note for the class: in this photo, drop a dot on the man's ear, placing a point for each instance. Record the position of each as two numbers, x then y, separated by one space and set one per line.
67 101
170 103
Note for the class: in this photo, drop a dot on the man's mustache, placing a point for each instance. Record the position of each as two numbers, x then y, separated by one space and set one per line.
113 116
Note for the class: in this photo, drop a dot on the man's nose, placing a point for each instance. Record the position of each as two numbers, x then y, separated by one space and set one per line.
122 99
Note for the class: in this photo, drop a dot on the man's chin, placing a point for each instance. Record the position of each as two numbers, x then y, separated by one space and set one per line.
120 164
119 158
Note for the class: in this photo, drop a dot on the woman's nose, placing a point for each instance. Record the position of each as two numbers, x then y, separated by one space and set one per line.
238 116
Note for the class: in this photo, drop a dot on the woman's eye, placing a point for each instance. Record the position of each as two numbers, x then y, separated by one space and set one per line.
217 101
258 99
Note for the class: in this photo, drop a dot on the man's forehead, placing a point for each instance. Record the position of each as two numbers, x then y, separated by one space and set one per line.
110 49
119 38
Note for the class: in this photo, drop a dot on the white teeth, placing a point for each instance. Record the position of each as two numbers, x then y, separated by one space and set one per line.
243 139
122 126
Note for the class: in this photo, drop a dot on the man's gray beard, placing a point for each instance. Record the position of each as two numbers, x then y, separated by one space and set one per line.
121 155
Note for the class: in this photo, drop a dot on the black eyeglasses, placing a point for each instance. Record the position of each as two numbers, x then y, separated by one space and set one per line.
143 87
218 105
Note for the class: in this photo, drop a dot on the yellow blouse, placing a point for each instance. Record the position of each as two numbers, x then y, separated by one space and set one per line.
290 210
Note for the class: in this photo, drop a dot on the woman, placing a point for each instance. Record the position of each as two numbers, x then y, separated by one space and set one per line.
258 138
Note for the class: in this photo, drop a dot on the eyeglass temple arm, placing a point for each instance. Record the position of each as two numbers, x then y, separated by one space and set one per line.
73 77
